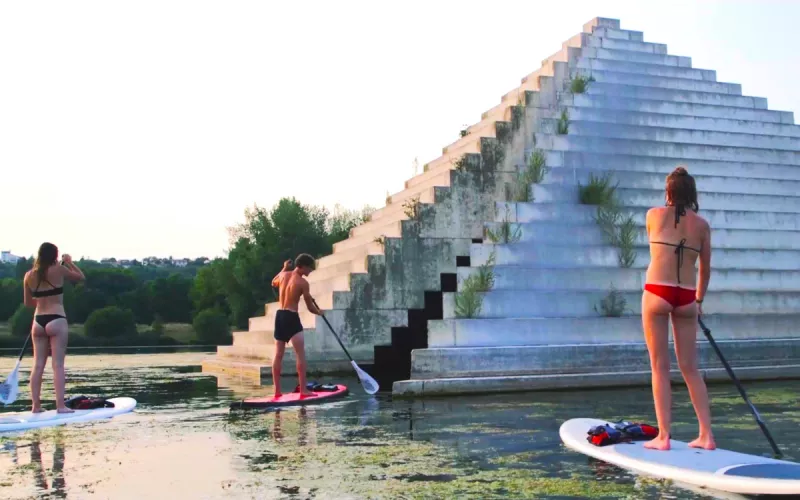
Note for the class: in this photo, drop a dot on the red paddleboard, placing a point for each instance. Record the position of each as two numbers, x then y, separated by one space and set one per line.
291 399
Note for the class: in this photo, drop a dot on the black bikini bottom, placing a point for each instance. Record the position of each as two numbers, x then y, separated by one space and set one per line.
43 319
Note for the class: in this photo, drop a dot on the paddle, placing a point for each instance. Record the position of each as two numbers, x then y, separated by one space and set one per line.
369 383
760 422
9 389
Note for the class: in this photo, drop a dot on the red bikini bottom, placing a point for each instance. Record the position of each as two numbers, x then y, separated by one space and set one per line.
675 295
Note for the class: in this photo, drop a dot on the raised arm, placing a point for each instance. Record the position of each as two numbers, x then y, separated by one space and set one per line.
704 267
71 271
309 301
27 297
276 281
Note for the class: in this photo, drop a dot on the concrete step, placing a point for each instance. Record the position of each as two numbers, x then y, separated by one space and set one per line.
262 353
593 359
646 119
254 337
551 193
625 103
644 69
688 152
633 79
583 214
568 232
634 56
673 95
427 195
437 178
603 330
524 277
392 229
357 253
581 303
345 267
675 135
618 44
617 34
571 256
665 164
728 182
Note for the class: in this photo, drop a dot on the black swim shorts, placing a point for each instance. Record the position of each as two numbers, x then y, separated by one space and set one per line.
287 325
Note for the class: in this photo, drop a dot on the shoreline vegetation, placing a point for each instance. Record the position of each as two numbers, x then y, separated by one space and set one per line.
188 301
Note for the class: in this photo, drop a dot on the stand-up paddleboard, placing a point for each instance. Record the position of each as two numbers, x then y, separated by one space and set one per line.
718 469
21 421
292 399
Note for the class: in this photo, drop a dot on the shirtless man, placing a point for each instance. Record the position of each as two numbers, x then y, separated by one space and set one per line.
291 286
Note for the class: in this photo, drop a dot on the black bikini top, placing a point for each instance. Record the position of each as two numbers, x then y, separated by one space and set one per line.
47 293
680 247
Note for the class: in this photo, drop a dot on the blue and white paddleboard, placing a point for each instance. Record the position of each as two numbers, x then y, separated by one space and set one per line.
21 421
718 469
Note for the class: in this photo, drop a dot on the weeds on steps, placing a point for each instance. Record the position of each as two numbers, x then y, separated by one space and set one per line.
469 298
580 83
534 172
613 305
562 126
618 230
505 234
411 208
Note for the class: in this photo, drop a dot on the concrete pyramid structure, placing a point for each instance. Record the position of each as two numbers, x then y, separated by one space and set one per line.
489 273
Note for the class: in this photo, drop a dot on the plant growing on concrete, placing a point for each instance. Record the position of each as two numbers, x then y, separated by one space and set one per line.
468 300
533 173
612 305
461 163
617 230
562 126
626 239
517 116
411 207
381 240
598 191
580 83
505 234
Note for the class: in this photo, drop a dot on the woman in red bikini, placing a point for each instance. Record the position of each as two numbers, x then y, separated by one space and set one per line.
677 240
44 289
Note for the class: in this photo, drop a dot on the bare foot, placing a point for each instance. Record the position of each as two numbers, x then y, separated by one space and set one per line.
705 442
64 410
659 443
277 395
306 393
37 410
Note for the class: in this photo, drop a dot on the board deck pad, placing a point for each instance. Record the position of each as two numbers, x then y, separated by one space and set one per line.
718 469
20 421
291 399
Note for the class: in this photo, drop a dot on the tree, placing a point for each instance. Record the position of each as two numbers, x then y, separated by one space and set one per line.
110 322
21 321
10 297
211 327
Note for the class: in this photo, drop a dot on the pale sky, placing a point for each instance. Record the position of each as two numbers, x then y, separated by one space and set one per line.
131 129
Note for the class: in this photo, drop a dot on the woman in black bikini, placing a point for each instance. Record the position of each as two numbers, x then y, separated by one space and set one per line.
44 288
673 290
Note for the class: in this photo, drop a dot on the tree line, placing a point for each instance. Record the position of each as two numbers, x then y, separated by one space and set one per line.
216 296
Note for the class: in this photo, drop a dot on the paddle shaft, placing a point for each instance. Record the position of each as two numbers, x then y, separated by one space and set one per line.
334 333
753 410
22 352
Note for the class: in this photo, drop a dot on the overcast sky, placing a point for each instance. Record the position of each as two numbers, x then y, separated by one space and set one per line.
130 129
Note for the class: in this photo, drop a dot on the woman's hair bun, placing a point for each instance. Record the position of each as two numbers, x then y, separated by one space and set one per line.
680 171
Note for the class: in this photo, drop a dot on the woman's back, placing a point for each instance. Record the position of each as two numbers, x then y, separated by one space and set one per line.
48 292
674 247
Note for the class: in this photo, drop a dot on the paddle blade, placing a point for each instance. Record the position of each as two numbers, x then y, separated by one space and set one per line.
368 383
9 389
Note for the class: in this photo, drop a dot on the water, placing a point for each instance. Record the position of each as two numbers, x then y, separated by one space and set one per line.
183 441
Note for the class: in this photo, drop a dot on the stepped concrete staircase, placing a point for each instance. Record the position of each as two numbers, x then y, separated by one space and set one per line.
390 289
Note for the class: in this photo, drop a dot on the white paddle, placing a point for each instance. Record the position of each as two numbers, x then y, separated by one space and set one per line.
9 389
368 383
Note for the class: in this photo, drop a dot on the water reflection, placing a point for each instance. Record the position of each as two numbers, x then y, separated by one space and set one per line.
187 443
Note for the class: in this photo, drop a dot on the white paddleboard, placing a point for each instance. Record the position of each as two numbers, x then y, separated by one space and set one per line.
20 421
717 469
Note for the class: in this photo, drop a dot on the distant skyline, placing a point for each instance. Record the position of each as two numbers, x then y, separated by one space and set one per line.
142 129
